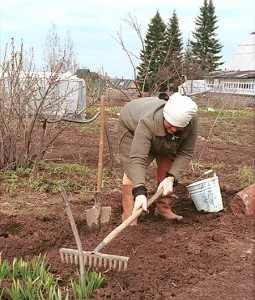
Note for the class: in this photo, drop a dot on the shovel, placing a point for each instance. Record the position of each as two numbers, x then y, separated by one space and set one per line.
97 214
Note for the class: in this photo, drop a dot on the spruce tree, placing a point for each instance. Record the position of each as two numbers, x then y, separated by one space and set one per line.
190 67
173 56
151 55
206 47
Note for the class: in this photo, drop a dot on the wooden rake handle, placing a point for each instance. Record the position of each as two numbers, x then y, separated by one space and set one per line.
125 223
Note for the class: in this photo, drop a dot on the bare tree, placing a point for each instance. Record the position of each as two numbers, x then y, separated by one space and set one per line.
132 22
27 99
56 53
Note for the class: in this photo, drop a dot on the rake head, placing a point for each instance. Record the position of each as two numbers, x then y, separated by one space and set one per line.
95 260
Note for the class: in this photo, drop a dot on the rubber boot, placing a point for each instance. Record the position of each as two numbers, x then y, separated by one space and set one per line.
128 203
163 209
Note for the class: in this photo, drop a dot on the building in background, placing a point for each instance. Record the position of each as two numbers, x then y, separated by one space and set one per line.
231 82
244 57
43 93
239 78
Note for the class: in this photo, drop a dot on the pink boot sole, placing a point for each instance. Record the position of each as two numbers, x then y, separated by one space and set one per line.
167 215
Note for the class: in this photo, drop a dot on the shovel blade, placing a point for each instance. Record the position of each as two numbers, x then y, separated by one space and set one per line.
93 216
98 215
105 214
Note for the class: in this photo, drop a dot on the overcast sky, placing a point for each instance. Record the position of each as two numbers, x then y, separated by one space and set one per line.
93 24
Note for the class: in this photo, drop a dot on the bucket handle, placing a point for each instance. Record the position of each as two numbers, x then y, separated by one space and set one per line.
205 173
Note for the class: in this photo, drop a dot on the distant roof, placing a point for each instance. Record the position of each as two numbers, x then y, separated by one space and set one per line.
231 74
81 73
244 57
122 83
95 75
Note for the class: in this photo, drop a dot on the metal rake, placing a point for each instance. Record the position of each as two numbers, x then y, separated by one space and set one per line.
95 259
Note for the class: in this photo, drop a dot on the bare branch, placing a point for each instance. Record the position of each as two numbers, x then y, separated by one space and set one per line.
73 121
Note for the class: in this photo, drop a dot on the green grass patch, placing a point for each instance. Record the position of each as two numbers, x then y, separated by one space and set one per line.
91 127
29 280
73 177
247 176
111 110
58 168
93 280
229 113
203 167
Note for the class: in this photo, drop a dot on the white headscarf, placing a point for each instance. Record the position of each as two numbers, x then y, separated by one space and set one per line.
179 110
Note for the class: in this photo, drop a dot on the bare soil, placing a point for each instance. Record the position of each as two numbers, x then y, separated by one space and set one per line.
204 256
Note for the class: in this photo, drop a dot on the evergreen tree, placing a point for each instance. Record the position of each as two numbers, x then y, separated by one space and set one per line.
206 46
190 67
151 55
172 54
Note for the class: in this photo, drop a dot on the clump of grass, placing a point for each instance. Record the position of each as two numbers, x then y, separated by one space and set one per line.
33 280
46 182
91 128
247 176
111 110
229 113
93 280
58 168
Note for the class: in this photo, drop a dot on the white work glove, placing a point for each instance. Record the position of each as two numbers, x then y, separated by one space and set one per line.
167 185
140 201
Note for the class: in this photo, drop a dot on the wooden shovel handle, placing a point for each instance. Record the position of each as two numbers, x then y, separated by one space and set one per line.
101 144
124 224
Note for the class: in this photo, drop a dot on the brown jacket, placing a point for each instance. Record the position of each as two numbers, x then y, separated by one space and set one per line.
142 119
